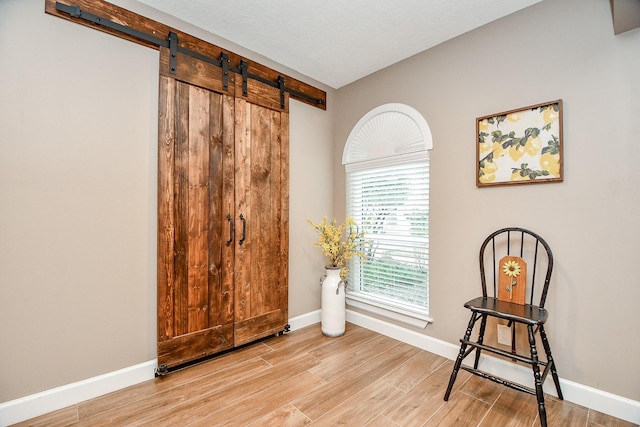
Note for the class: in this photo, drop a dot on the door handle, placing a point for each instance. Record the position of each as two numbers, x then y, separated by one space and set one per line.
230 229
244 228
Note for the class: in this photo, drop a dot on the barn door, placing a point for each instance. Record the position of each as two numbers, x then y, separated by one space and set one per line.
262 212
195 212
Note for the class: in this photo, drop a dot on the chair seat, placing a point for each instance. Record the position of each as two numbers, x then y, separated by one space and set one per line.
527 314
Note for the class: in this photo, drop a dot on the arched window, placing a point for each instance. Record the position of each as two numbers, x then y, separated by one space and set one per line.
386 158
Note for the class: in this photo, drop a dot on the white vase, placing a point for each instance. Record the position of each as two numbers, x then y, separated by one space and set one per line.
333 308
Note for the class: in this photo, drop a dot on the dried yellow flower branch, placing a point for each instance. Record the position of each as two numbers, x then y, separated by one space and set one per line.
330 240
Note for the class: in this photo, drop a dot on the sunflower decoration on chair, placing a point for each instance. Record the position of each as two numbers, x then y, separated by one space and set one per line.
512 270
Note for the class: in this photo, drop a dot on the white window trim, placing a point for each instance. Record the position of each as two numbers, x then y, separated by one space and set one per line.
388 309
388 161
415 317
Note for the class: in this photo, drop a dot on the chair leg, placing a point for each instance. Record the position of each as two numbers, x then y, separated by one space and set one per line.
552 363
483 326
537 377
463 348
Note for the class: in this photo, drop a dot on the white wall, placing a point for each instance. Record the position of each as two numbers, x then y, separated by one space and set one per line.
555 49
78 120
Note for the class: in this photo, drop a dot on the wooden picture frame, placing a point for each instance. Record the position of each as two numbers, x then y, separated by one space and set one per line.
522 146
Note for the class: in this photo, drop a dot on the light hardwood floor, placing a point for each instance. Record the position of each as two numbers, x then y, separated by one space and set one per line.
305 378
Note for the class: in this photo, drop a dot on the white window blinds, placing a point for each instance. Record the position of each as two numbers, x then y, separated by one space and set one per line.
390 200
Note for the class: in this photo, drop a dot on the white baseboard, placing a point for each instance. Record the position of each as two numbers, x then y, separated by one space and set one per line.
607 403
306 319
34 405
41 403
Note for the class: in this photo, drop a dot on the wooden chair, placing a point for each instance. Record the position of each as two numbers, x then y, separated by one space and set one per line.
519 263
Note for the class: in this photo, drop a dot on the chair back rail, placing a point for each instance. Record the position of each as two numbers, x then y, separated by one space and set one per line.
526 244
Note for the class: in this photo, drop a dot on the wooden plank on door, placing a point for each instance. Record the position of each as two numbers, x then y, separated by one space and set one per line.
257 327
262 220
195 72
166 217
181 184
283 277
260 307
198 210
242 306
195 293
226 307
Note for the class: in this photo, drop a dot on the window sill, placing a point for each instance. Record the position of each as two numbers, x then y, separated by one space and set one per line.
389 310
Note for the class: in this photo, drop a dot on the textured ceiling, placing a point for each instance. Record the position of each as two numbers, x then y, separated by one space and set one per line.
338 41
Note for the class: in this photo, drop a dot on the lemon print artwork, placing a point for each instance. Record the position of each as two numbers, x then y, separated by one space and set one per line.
514 117
520 146
550 115
487 173
516 152
550 163
532 147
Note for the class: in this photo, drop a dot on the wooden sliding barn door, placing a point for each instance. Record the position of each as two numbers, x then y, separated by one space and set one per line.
195 208
262 206
223 211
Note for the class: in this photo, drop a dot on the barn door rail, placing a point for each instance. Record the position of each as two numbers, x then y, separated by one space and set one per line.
77 12
171 42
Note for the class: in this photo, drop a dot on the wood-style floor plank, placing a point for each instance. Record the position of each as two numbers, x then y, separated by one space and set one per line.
307 379
285 416
564 413
246 410
353 380
512 402
381 421
63 417
481 389
332 366
360 408
598 419
416 369
461 410
417 405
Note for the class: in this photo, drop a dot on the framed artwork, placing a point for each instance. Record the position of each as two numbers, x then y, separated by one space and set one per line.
522 146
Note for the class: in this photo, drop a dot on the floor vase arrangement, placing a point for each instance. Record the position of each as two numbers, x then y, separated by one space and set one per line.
333 304
339 243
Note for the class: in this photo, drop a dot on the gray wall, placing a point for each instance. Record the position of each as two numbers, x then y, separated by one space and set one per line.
555 49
